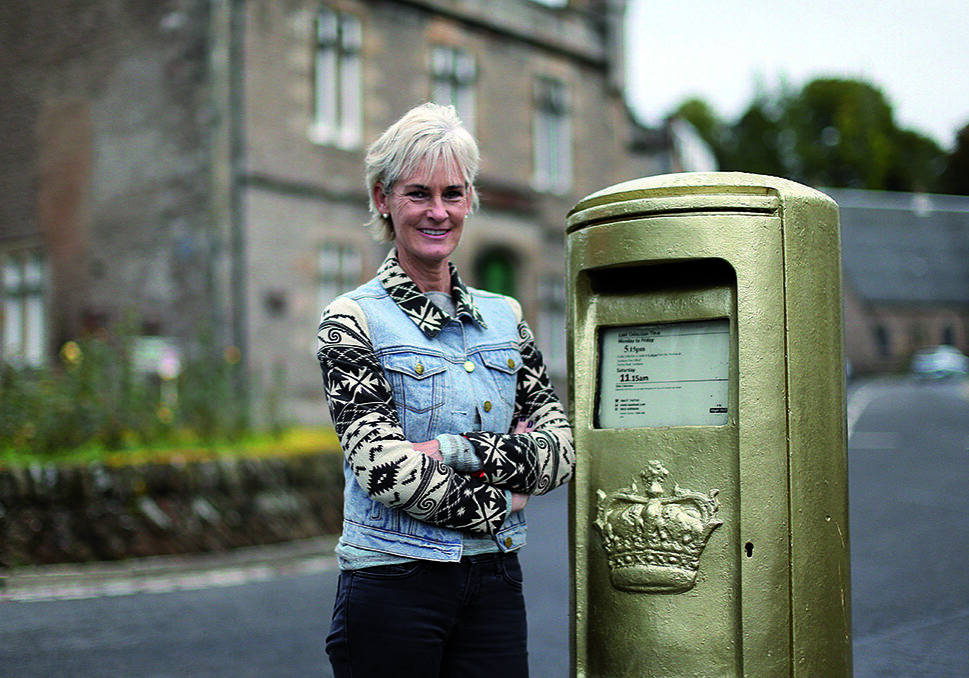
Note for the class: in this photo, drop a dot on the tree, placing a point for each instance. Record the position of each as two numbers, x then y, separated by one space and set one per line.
757 142
955 177
704 120
918 163
843 134
837 133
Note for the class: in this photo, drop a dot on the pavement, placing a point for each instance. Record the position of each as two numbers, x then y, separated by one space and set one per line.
162 574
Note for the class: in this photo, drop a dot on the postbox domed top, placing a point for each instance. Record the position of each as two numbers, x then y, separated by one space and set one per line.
689 192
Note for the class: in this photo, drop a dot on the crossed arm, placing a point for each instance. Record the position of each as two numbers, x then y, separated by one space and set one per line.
476 495
432 448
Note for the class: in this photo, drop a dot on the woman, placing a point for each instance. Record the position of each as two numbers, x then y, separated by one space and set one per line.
448 423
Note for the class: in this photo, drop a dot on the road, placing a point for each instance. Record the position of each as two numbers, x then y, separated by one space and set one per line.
259 614
909 498
910 594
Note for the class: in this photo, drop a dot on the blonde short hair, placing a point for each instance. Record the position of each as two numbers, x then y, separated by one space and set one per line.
426 133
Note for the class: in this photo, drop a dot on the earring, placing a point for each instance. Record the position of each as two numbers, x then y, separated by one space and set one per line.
385 215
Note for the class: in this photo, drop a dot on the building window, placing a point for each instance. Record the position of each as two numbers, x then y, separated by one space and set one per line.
552 137
338 271
337 80
452 81
883 342
551 323
22 313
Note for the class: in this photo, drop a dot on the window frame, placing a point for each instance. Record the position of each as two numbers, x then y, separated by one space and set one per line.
23 308
332 281
552 336
337 106
551 136
453 73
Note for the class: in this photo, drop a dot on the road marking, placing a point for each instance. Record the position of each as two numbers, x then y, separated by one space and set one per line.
27 590
906 629
857 403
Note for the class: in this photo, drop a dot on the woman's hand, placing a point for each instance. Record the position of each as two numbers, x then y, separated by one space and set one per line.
518 501
431 448
522 426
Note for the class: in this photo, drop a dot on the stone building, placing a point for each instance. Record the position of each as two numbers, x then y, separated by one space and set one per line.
540 87
197 164
906 275
105 170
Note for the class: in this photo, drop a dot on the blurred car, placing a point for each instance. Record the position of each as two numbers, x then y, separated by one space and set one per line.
939 362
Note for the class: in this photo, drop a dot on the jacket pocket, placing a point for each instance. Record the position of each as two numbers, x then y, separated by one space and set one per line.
503 366
419 385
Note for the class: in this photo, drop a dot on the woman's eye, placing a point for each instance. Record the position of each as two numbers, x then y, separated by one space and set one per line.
453 196
417 196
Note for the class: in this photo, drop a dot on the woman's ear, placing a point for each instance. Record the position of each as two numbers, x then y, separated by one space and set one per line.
380 198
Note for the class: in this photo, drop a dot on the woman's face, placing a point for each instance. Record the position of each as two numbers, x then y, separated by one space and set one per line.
428 213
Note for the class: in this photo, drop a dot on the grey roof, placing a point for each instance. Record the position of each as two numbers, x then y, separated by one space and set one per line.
905 248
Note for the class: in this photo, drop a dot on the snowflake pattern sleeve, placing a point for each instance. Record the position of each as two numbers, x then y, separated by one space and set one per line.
536 462
383 462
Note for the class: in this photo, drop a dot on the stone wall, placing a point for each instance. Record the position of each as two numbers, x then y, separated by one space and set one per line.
51 514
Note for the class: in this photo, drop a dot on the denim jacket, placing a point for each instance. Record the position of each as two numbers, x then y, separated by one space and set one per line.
396 371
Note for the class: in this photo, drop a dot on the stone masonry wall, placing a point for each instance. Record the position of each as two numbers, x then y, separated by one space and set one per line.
51 514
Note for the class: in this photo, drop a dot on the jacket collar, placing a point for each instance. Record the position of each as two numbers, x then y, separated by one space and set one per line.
428 317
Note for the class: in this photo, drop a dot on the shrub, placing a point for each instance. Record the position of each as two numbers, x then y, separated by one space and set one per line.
98 395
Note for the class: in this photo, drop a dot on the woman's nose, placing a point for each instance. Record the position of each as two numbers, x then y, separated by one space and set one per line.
436 209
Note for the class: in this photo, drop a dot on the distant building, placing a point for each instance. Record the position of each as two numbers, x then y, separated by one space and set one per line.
906 275
198 164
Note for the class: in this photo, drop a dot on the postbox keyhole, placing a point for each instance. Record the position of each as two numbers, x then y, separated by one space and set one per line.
749 548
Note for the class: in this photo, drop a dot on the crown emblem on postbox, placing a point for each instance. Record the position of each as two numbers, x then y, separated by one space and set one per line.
653 540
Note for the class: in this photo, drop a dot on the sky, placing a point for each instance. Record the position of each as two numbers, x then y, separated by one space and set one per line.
725 51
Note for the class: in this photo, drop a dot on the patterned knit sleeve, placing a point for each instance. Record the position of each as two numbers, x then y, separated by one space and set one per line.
536 462
384 463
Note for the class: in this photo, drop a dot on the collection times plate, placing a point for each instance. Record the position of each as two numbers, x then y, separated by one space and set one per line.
672 374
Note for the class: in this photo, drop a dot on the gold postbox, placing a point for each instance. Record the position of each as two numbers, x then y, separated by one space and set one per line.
709 520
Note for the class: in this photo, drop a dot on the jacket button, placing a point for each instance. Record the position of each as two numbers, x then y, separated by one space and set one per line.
511 363
419 368
469 366
508 542
487 406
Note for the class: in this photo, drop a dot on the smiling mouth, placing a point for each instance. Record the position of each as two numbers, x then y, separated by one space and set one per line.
434 231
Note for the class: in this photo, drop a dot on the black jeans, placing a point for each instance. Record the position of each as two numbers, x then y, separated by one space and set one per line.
431 620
